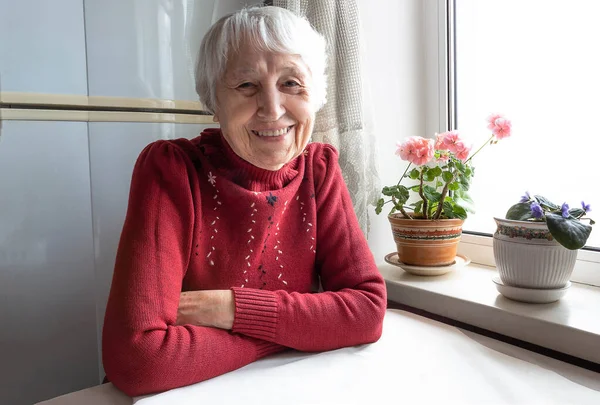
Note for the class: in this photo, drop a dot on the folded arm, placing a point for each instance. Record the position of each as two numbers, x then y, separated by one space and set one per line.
351 309
144 350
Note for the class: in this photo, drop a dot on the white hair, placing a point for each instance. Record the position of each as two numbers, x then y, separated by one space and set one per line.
268 28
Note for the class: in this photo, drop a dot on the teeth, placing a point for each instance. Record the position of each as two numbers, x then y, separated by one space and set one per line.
278 132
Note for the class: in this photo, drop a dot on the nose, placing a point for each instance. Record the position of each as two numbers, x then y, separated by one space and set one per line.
270 104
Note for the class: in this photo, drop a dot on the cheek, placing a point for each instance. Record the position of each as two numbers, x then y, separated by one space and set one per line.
305 132
235 110
302 110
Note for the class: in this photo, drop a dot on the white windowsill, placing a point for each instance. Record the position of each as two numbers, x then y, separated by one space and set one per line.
570 325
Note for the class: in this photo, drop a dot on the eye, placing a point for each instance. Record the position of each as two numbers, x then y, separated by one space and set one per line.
291 83
246 85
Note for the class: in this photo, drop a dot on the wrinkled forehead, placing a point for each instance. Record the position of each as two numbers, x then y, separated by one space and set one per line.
255 61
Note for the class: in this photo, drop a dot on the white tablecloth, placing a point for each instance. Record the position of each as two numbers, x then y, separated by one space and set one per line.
417 360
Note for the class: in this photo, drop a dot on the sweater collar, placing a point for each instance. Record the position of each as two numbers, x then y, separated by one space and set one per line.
229 165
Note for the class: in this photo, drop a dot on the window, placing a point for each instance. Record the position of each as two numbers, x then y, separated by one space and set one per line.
536 61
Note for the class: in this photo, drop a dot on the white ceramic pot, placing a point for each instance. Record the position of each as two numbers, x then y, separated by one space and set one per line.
527 255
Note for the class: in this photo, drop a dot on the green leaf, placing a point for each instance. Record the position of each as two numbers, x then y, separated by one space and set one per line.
438 184
447 176
576 212
463 199
436 171
571 233
545 203
414 174
379 206
429 175
401 195
460 166
389 191
464 196
519 212
431 209
464 182
459 212
454 186
415 188
468 171
431 194
448 209
418 206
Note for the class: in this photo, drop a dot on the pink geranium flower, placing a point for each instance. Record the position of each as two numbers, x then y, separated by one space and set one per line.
502 128
451 138
439 142
492 120
416 150
463 154
458 146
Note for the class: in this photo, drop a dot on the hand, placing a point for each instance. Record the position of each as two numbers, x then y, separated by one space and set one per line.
214 308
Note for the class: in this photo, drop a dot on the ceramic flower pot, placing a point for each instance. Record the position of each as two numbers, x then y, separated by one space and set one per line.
527 255
426 242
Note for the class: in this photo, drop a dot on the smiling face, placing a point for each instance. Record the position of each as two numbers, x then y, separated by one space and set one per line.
264 106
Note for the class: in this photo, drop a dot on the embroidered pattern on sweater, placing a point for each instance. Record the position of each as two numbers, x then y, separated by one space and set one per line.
307 224
254 210
250 239
271 199
212 179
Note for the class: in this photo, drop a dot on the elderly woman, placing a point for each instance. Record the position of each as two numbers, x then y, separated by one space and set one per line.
228 236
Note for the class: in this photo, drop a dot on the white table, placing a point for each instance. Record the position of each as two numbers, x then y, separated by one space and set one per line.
417 360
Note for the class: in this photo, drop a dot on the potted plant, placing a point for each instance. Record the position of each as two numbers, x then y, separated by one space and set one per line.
427 217
536 245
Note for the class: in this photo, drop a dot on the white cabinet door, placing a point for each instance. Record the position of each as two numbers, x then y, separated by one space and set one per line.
42 46
147 48
48 341
114 148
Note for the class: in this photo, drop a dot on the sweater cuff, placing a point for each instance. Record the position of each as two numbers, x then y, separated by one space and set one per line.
265 348
256 313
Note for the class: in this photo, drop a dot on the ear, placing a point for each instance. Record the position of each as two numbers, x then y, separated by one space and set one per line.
215 118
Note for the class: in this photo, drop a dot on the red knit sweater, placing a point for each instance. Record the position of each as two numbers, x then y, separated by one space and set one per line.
199 218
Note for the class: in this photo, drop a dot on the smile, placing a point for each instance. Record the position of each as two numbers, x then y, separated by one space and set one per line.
273 132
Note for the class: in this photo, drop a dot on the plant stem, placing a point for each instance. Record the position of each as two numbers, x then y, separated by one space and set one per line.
478 150
423 195
405 171
401 209
438 211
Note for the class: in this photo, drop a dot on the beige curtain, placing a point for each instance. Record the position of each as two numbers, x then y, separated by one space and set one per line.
345 121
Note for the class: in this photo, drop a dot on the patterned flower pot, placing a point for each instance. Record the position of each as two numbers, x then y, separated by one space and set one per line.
527 255
426 242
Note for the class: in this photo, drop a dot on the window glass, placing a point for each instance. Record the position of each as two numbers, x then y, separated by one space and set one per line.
538 63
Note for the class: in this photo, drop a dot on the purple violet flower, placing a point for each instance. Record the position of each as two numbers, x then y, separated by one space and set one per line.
586 207
526 197
565 210
536 210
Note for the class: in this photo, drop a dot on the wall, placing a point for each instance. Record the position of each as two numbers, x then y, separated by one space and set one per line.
393 40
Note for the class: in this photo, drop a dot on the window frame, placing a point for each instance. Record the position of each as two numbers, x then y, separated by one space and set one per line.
439 56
